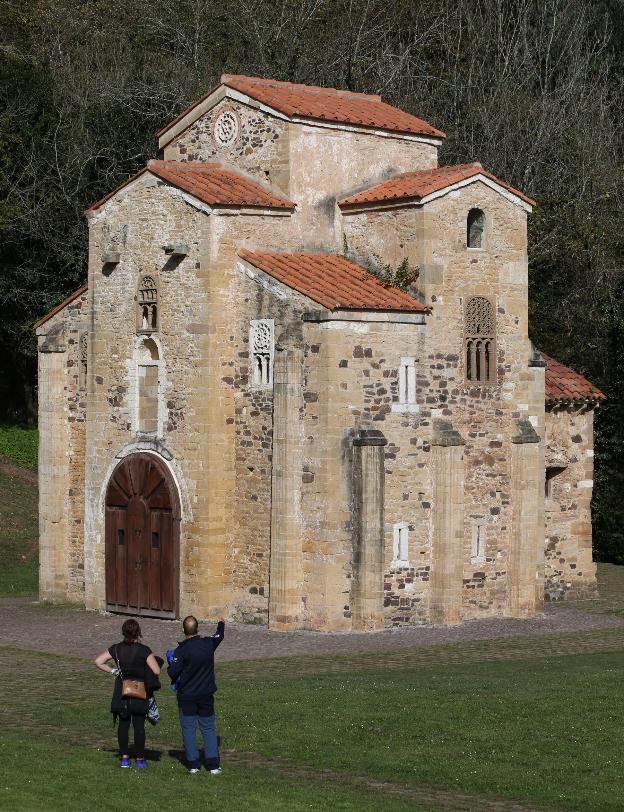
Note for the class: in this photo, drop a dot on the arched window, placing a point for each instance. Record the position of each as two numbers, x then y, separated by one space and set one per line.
148 368
147 306
475 226
480 334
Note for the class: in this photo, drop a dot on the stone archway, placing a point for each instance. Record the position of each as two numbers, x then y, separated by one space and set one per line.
142 538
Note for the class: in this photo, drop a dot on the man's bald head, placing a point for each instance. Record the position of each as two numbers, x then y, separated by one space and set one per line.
189 624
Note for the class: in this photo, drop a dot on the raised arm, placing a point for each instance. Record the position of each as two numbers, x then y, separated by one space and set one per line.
101 660
220 633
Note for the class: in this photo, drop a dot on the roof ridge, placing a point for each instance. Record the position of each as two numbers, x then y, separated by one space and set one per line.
299 85
301 102
389 190
201 180
185 165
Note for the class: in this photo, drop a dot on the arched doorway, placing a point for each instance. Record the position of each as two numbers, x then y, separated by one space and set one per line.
142 538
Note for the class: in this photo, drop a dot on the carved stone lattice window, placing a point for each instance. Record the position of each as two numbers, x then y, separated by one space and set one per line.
480 332
261 346
82 363
147 306
475 226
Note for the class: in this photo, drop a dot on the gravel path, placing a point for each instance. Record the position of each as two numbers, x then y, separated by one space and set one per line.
28 625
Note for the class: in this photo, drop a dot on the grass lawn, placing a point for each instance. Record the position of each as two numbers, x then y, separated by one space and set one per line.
545 732
19 444
19 537
530 720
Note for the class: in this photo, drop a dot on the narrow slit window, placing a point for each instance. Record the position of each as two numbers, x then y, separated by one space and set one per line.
400 544
407 382
121 536
155 540
478 543
82 373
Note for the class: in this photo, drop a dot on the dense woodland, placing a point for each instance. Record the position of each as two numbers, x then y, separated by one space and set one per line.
531 88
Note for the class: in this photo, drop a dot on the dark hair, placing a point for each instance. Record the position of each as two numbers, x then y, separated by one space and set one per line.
189 625
131 631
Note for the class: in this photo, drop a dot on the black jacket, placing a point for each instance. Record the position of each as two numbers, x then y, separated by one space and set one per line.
193 663
125 707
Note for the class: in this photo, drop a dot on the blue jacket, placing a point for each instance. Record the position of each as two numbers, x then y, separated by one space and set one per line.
192 666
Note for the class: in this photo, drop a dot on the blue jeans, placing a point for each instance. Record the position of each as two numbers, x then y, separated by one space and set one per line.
188 723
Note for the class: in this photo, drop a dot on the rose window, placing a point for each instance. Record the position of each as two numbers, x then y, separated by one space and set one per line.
226 128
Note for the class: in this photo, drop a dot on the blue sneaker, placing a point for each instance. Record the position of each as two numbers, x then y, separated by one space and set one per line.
124 762
141 764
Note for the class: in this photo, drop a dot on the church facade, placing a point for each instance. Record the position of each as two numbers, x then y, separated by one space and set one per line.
298 386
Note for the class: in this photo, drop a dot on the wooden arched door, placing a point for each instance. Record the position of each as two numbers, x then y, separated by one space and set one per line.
142 539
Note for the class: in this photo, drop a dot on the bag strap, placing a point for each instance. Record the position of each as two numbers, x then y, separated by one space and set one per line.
117 662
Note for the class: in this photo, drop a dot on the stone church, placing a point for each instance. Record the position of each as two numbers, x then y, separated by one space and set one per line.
298 386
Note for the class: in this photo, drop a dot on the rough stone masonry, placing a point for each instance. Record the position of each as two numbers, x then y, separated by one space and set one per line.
245 412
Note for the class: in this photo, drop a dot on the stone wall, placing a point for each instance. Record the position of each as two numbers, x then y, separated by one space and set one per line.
62 410
433 238
313 165
359 510
261 148
138 224
570 571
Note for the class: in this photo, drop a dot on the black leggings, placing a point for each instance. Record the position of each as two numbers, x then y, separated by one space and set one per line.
123 729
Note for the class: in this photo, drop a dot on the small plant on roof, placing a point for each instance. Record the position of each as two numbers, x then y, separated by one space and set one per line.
402 277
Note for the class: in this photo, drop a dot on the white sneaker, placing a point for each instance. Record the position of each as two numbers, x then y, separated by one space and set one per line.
217 771
194 770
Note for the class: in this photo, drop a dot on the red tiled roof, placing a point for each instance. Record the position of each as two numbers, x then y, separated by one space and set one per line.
565 385
323 104
209 183
332 280
423 182
59 307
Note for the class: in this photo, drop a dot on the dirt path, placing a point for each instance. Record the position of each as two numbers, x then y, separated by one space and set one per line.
13 471
28 625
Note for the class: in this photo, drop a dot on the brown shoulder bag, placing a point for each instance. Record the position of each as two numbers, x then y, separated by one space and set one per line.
130 688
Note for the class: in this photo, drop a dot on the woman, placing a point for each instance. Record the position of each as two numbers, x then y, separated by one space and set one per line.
132 660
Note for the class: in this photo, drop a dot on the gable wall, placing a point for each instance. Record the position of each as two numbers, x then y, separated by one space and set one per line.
138 224
484 415
261 149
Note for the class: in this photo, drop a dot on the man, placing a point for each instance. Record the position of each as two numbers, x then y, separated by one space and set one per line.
192 667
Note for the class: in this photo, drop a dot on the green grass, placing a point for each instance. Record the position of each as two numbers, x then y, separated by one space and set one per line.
65 777
19 444
544 731
19 534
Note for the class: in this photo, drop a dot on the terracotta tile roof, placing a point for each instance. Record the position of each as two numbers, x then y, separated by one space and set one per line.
333 281
59 307
322 104
563 385
210 183
417 185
